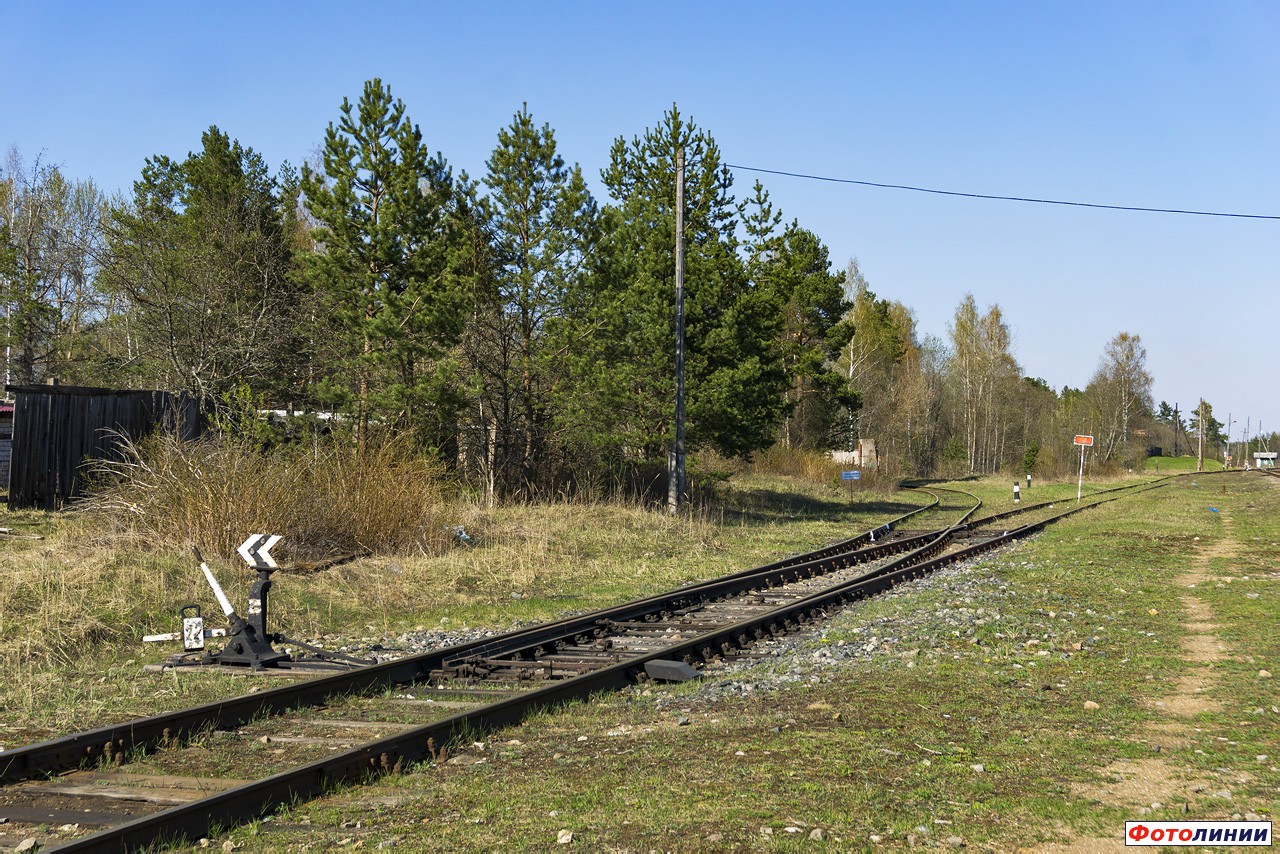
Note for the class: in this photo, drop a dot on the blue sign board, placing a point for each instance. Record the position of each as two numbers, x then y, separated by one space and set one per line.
851 475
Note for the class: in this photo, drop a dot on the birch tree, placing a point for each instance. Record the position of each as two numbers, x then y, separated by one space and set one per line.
1120 394
52 237
869 358
984 372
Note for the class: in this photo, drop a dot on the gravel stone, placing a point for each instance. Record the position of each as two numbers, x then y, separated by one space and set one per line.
975 594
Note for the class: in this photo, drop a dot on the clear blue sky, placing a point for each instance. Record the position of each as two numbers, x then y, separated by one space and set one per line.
1156 104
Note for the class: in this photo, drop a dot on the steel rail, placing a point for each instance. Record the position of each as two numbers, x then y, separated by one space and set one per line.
1043 504
780 572
393 753
72 750
79 748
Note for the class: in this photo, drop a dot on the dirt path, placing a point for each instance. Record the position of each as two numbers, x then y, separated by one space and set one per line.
1157 782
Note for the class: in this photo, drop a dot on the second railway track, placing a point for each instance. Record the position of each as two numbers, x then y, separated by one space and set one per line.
139 783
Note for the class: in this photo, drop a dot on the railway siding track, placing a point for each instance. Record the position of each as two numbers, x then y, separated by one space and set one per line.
114 740
568 659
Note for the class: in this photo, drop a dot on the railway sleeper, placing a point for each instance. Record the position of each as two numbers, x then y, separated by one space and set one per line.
739 607
584 654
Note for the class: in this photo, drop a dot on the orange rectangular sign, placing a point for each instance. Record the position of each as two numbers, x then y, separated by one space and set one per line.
1084 440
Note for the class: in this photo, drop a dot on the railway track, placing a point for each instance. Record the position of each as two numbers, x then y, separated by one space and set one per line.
146 782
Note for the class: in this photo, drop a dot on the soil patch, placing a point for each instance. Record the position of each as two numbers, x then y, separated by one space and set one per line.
1152 783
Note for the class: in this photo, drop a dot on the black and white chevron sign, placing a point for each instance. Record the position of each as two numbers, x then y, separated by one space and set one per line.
256 550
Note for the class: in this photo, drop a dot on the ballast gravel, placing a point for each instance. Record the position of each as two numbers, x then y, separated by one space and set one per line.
976 597
974 618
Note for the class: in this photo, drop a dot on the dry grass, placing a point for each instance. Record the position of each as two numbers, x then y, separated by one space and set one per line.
540 550
81 595
326 496
74 605
815 468
118 568
66 598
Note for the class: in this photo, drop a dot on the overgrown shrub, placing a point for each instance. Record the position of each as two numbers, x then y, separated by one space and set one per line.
324 498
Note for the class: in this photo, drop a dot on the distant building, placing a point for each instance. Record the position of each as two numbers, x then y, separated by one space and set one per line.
1264 459
864 455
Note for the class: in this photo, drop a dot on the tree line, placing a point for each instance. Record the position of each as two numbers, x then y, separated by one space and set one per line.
513 324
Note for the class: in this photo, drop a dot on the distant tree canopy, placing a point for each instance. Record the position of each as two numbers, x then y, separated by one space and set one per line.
514 326
50 243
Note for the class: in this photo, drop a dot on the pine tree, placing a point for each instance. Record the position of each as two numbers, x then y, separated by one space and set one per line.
540 220
619 329
793 267
387 229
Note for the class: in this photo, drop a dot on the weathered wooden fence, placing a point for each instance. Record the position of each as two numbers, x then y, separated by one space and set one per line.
57 429
6 442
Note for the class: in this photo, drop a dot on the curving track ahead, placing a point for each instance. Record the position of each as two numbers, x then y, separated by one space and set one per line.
563 660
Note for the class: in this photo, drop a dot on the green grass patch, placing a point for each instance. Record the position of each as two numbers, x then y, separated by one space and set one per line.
969 719
962 713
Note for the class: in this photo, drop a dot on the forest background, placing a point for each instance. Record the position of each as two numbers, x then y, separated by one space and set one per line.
517 329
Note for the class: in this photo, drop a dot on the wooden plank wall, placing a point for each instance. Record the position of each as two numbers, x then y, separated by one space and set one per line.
56 430
6 451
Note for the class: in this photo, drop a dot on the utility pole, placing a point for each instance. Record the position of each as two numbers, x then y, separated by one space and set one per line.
675 462
1226 450
1244 454
1177 428
1200 438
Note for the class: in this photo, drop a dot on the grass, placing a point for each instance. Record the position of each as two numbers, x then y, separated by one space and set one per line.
973 727
330 497
74 605
989 665
1180 465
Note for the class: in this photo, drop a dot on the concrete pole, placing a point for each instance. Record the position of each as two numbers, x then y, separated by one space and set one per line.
1200 438
675 469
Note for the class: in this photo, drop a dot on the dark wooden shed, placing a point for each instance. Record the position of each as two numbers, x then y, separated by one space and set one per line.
6 442
56 429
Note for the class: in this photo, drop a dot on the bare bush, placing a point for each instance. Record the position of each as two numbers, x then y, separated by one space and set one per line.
325 498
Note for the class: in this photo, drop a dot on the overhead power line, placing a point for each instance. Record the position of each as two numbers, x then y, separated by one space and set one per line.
997 198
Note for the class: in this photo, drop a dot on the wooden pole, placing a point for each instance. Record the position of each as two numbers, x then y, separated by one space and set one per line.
675 467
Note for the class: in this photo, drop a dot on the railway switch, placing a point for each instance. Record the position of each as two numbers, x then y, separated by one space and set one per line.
249 642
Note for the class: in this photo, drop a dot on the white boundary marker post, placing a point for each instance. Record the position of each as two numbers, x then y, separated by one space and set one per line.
1083 442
